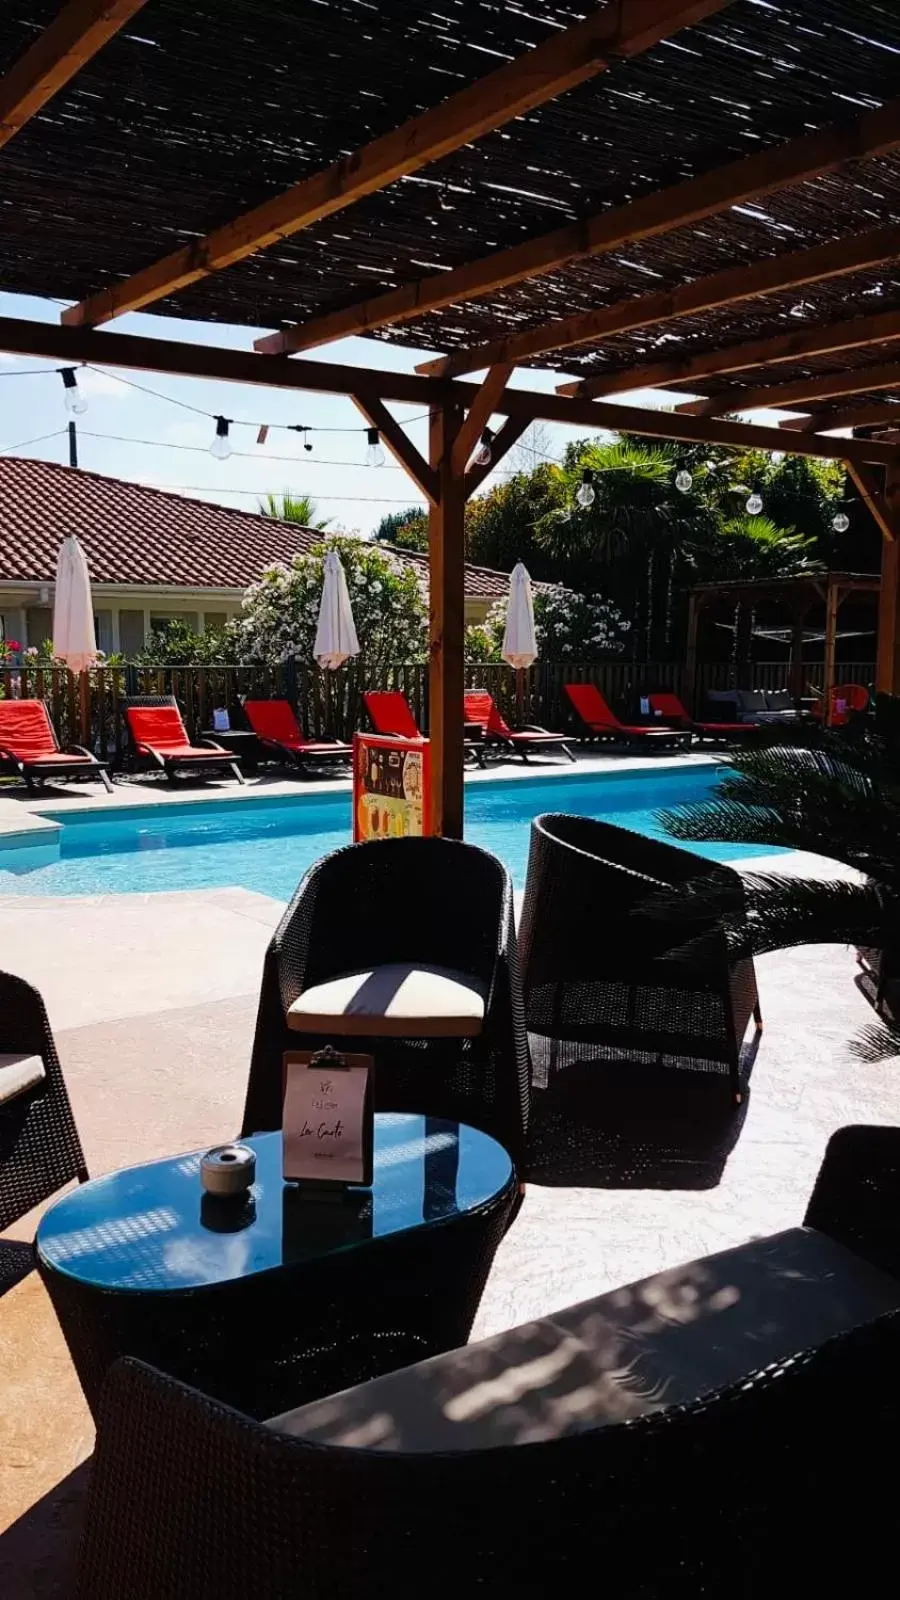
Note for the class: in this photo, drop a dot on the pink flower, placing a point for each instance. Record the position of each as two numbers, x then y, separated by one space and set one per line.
13 644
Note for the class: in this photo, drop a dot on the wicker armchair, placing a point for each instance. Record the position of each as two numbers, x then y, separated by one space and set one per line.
776 1483
595 975
432 901
39 1145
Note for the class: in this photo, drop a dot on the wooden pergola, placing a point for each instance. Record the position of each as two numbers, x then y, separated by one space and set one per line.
722 178
798 596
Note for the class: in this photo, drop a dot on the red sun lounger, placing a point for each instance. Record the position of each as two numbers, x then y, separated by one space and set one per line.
30 748
159 736
670 707
279 732
601 723
481 711
390 713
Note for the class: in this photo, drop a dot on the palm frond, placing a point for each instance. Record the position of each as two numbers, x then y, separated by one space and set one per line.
876 1042
770 911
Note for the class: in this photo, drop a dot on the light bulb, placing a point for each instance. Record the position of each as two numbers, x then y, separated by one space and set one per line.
375 452
840 522
482 456
683 481
777 456
72 395
586 494
754 505
221 445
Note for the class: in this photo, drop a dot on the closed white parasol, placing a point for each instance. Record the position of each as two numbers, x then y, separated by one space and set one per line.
74 638
336 639
519 640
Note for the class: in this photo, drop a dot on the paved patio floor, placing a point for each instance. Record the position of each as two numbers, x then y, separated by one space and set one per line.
153 1000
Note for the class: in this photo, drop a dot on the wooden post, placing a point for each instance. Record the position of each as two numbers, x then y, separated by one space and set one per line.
689 683
447 547
887 662
832 602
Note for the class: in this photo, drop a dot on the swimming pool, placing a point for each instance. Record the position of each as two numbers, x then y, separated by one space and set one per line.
267 843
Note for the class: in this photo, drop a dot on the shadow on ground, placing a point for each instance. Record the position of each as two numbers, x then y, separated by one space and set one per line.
621 1125
16 1261
38 1552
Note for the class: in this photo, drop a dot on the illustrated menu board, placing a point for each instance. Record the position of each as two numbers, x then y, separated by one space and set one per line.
391 787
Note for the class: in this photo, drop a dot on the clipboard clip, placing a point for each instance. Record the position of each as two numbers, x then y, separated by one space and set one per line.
328 1058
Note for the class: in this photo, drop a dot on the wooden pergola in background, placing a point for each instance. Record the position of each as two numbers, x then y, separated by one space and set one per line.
254 162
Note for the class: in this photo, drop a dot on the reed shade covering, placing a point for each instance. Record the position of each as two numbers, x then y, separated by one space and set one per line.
188 117
336 639
519 637
74 636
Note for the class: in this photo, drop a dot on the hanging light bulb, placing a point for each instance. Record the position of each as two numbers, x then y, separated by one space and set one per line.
777 457
221 445
840 522
586 494
482 456
683 481
755 505
72 395
375 451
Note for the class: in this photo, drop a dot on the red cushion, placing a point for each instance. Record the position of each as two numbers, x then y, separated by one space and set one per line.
536 735
60 759
669 705
477 707
26 729
390 712
726 727
158 727
274 719
590 705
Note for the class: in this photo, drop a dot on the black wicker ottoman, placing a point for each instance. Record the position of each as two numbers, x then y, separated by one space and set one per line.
291 1294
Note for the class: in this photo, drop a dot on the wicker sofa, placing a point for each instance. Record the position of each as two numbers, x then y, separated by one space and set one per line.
724 1428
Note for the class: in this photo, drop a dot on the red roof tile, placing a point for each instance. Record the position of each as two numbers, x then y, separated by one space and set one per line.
134 534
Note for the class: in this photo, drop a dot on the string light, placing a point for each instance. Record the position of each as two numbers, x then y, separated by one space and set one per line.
840 522
375 451
72 395
483 455
683 481
221 445
586 494
755 505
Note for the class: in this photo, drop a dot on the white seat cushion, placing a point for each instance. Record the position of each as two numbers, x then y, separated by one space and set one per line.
396 1001
19 1073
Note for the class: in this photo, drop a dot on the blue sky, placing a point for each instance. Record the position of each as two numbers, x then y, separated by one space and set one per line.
176 454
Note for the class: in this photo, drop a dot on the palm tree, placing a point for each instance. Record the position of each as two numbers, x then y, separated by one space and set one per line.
294 508
836 794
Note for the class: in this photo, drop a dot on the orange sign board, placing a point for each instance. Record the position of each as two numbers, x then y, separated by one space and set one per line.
391 787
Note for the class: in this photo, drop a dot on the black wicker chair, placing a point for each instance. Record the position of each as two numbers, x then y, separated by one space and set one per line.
39 1145
430 901
596 976
780 1482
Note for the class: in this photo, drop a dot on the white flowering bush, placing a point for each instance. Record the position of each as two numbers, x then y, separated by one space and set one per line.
569 626
281 611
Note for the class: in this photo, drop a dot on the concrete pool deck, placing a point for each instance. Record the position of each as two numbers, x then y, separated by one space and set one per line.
153 1000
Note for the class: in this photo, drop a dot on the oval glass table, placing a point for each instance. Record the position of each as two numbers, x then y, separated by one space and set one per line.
291 1293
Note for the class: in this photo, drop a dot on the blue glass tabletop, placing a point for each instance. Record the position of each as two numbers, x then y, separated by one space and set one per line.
152 1228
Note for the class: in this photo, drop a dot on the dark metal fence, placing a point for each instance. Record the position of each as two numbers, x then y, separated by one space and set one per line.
331 703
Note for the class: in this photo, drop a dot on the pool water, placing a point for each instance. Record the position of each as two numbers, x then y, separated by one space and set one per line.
267 843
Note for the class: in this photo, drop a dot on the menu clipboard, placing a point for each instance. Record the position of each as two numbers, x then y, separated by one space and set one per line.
328 1119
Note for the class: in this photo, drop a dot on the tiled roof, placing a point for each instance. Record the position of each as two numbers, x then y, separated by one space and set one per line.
134 534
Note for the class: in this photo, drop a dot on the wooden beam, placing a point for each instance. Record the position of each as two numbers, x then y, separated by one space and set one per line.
401 447
821 386
781 347
563 61
74 345
874 498
479 414
447 623
533 406
646 218
76 33
868 416
512 430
